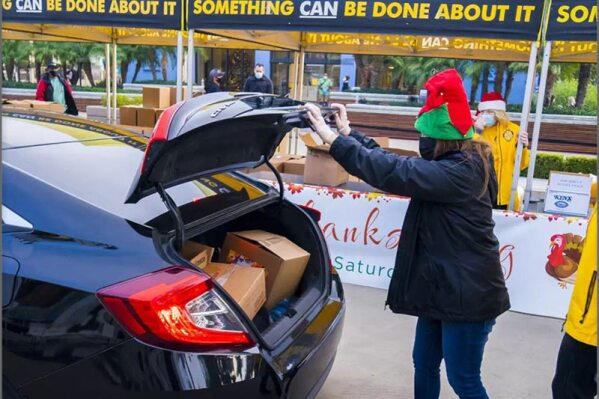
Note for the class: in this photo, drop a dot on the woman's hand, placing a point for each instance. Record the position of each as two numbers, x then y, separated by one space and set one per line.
341 119
319 125
523 138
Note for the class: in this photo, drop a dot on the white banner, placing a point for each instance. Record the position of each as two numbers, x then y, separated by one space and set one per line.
539 253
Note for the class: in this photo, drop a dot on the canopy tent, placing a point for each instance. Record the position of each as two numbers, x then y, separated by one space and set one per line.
570 36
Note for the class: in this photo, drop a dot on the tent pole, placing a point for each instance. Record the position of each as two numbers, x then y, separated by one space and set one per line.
296 74
114 92
532 64
190 64
107 72
302 59
537 125
179 66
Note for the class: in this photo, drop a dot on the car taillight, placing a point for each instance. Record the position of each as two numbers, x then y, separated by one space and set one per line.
175 308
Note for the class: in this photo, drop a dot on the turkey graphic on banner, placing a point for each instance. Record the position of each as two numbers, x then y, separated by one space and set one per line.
539 253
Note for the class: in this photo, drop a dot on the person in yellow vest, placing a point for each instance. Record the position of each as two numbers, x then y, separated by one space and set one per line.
576 370
493 124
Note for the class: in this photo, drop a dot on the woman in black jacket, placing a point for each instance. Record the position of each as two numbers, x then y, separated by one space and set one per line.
447 270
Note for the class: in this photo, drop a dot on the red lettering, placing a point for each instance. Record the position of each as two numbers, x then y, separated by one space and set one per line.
370 231
332 233
506 258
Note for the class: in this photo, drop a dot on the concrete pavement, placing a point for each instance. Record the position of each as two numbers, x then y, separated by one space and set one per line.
374 358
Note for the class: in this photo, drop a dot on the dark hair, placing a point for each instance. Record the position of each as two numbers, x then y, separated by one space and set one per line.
347 77
259 65
469 147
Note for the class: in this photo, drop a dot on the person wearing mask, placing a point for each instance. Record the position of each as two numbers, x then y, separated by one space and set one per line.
215 81
447 270
576 369
52 87
258 82
493 125
345 85
324 90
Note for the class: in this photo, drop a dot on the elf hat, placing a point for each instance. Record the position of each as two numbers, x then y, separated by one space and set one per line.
492 101
446 113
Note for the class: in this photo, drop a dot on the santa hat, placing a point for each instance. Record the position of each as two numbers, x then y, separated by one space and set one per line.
446 113
492 101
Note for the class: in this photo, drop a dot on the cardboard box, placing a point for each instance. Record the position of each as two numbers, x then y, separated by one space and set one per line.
198 254
283 147
156 97
158 113
246 285
146 117
295 166
283 261
278 160
382 141
173 94
128 115
402 152
19 103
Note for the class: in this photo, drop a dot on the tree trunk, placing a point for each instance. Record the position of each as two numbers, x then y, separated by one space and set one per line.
508 84
551 79
473 89
10 69
87 67
138 65
363 72
485 82
376 72
124 70
79 73
584 77
38 70
499 72
152 62
18 73
164 64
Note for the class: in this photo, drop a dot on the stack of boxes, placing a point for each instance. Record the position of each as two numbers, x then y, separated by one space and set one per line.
155 100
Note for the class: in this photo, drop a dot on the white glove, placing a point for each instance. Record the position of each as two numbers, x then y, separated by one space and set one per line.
319 125
341 119
524 138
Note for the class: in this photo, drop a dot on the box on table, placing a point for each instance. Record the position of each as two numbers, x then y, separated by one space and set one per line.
47 106
277 160
283 261
156 97
128 115
146 117
246 285
173 95
321 168
295 166
18 103
198 254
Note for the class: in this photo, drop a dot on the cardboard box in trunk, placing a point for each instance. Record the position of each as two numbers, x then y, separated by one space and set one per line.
246 285
278 160
295 166
283 261
198 254
156 97
128 115
321 169
146 117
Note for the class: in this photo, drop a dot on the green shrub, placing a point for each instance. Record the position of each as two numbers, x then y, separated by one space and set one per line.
574 164
123 99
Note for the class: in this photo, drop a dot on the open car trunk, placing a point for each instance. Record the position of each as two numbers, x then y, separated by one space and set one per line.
287 220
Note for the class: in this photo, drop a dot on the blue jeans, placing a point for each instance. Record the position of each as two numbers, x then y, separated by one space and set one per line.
461 345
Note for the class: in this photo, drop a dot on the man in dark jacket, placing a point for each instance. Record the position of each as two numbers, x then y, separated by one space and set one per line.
447 269
52 87
258 82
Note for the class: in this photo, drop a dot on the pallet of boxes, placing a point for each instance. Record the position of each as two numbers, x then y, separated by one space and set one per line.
35 104
142 118
259 270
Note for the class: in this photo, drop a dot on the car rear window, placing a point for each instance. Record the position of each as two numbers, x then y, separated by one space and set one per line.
101 172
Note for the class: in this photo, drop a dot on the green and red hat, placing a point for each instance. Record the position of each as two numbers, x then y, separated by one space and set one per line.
446 113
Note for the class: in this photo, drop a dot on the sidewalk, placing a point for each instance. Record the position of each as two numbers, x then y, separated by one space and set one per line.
374 358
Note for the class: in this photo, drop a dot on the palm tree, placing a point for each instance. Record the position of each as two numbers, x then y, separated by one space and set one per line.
14 54
43 52
474 71
166 53
485 78
126 55
500 68
553 73
513 68
584 77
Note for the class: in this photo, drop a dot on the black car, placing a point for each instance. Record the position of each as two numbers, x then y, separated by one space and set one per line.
96 296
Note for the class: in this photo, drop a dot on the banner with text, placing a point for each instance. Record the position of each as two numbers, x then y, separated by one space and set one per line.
539 253
156 14
455 18
573 21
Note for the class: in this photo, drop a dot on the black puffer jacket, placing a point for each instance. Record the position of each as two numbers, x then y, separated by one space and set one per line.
447 265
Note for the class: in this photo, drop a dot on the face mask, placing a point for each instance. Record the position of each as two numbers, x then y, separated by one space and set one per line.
489 120
426 146
259 75
52 73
